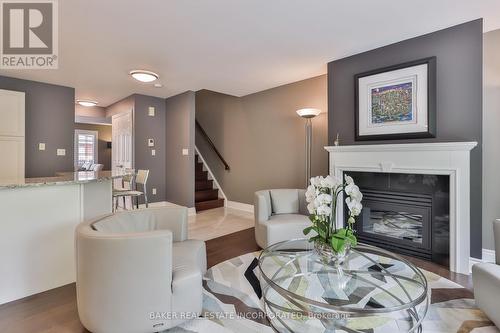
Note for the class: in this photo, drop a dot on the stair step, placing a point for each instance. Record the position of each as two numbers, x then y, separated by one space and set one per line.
201 175
204 185
206 195
204 205
198 167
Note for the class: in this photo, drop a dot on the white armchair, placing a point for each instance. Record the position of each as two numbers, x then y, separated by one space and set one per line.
280 215
486 279
134 265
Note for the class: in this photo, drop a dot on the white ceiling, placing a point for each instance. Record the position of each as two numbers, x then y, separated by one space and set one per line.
232 46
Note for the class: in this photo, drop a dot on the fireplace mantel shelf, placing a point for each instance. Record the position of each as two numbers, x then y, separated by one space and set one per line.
406 147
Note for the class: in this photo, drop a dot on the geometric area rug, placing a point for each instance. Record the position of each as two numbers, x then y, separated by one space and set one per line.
231 304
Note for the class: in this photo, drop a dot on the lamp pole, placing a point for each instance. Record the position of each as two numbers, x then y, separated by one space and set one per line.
308 114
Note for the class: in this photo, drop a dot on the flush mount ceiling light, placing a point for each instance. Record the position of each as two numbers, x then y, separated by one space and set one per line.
144 76
86 102
308 113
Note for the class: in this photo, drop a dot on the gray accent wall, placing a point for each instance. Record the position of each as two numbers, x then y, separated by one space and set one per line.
148 127
459 96
262 137
180 124
50 117
491 135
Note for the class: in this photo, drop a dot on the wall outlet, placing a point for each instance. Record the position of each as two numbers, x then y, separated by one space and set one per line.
41 146
151 111
154 191
185 152
153 152
61 152
151 142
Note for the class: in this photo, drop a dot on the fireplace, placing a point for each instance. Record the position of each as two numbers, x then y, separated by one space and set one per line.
416 164
405 213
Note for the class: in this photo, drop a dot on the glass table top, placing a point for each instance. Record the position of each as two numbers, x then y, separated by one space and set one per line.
371 282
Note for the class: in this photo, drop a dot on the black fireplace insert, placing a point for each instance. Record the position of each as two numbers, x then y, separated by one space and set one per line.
405 213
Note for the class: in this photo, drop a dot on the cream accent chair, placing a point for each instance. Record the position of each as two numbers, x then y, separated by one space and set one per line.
486 279
131 266
280 215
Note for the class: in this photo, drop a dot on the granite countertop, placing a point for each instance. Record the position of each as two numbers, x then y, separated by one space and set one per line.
65 178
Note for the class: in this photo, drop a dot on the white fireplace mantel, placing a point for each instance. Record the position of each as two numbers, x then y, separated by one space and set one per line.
437 158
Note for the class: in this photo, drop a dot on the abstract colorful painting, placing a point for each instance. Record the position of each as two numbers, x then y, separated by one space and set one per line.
392 103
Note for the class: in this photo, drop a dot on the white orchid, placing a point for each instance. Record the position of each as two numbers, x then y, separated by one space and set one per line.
353 191
354 206
330 182
311 193
311 208
324 210
323 199
316 181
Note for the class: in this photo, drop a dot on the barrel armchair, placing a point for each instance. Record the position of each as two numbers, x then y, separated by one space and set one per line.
280 215
486 280
138 272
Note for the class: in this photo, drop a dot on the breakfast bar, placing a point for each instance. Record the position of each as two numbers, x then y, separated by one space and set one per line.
37 221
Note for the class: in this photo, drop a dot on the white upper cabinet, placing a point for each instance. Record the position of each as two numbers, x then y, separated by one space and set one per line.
11 136
11 113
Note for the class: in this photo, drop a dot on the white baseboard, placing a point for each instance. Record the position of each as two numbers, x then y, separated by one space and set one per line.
472 262
488 256
191 210
239 205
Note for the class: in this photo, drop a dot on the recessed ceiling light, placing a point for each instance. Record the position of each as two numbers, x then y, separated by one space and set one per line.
158 85
86 102
144 76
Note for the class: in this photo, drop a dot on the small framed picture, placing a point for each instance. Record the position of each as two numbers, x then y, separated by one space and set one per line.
397 102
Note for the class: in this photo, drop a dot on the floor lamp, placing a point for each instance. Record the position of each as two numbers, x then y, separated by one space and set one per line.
308 114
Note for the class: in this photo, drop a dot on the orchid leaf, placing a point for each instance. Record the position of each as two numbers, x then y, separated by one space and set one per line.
307 230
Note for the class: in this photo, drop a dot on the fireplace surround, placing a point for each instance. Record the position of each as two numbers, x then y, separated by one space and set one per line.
450 159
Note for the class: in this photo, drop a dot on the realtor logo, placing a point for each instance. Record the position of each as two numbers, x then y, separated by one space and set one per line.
29 34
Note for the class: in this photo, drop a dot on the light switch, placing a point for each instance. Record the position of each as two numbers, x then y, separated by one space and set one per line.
153 152
185 152
151 142
41 146
154 191
61 152
151 111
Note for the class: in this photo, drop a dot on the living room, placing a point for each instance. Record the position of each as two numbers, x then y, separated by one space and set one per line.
267 167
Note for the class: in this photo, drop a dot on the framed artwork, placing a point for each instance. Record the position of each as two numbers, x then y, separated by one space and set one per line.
397 102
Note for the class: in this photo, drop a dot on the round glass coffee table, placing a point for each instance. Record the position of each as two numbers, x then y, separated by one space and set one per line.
374 290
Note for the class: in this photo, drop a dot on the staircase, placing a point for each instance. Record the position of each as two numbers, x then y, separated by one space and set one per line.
205 196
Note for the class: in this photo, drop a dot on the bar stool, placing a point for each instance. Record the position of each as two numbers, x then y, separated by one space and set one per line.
126 185
141 178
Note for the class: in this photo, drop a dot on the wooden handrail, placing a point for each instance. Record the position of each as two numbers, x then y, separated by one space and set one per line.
205 135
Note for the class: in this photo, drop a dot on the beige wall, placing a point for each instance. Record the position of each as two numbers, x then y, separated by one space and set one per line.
103 136
262 138
491 135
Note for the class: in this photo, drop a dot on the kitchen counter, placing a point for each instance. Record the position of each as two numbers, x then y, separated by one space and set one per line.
64 178
38 217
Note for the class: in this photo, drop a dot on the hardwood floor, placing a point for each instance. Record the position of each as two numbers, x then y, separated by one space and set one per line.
55 311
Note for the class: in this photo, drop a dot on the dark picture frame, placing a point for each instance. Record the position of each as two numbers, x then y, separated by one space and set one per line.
431 102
